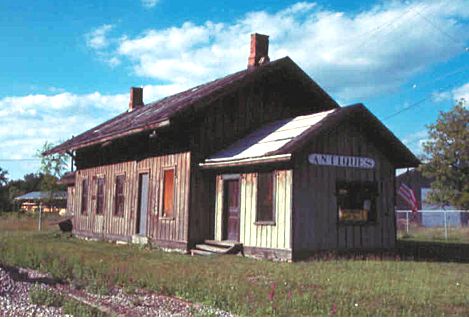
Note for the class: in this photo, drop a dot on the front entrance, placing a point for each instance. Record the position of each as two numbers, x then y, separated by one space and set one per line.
142 211
231 206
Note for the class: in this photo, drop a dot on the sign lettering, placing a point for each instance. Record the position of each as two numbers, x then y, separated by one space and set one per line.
341 161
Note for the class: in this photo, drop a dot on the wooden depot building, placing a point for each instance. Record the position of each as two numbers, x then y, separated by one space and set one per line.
262 159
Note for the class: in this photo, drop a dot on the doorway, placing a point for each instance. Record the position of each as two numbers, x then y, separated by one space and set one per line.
231 199
142 212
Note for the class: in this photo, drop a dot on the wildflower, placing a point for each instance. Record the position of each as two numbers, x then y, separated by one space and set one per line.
356 305
458 284
333 310
272 292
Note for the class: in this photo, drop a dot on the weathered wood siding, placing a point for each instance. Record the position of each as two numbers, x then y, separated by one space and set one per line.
226 119
277 236
315 219
71 200
166 231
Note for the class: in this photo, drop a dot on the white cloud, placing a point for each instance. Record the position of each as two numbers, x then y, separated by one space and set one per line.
149 3
97 39
461 92
352 55
28 121
414 141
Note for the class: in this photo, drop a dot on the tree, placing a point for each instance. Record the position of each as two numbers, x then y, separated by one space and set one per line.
4 203
53 167
446 158
53 164
3 177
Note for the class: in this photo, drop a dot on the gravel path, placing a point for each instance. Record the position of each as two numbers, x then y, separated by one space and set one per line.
14 296
15 285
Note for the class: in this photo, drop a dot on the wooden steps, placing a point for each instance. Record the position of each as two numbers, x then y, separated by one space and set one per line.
212 247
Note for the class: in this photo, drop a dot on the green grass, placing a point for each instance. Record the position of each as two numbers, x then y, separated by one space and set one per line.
250 287
435 234
47 297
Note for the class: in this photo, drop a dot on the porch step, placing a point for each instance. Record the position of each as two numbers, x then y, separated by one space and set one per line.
139 239
222 243
211 247
198 252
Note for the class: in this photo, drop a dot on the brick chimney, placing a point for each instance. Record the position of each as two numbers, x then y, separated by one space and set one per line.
136 98
259 50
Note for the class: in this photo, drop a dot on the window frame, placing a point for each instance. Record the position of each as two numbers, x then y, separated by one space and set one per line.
84 198
373 194
115 212
103 204
162 206
273 216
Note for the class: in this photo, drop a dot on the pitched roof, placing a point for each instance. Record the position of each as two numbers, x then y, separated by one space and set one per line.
269 139
277 141
160 113
42 195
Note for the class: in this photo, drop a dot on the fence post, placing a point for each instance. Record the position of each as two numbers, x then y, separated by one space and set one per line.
407 222
446 225
39 225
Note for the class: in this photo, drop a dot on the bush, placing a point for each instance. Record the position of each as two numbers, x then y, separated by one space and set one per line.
42 296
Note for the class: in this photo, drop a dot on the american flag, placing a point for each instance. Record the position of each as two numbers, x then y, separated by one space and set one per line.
408 196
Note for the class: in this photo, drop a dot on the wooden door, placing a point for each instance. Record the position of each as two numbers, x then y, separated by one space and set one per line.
142 204
231 209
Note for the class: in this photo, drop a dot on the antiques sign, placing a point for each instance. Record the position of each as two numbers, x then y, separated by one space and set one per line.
341 161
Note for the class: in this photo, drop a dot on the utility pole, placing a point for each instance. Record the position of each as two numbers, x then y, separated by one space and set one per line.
39 225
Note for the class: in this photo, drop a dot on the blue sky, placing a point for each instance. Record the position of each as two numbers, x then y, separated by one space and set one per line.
67 66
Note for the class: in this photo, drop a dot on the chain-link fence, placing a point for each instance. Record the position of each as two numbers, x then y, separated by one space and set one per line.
433 225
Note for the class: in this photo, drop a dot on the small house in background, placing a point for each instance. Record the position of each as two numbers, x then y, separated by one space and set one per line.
262 160
431 214
30 202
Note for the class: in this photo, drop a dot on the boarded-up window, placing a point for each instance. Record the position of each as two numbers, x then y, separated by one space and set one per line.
265 197
356 201
84 197
119 196
168 193
100 196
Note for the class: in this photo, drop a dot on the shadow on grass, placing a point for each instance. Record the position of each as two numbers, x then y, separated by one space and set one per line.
16 275
433 251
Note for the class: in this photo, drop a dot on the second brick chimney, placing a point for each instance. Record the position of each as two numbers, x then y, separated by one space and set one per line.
259 50
136 98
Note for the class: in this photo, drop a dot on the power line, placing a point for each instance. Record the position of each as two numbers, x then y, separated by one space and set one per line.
18 159
438 28
415 103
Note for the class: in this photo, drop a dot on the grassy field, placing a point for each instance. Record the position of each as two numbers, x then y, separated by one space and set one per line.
435 234
245 286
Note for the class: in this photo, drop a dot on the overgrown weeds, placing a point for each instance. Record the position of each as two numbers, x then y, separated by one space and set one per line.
251 287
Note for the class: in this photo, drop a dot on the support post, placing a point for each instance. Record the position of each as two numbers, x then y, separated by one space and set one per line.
39 225
446 224
407 222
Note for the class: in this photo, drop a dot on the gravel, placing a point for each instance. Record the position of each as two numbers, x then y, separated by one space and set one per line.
15 285
14 298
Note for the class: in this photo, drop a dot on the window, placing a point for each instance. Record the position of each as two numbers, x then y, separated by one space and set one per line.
100 196
356 201
84 197
265 197
168 193
119 196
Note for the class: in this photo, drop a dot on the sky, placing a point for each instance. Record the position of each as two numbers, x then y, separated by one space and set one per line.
66 66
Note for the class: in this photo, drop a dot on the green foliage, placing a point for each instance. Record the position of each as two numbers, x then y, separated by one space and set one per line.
3 177
45 297
447 157
53 164
78 309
